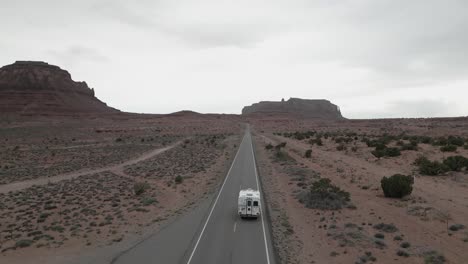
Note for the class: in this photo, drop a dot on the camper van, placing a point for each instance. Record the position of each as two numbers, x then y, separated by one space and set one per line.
249 203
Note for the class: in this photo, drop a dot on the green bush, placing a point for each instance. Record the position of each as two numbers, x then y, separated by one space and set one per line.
280 146
431 168
269 146
433 257
282 156
178 179
24 243
456 163
397 186
341 147
324 195
457 141
386 152
140 187
308 153
317 141
448 148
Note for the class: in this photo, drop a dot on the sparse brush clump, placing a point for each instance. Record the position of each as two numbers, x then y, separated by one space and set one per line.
456 163
308 153
397 186
140 187
388 228
384 151
432 168
433 257
341 147
317 141
448 148
325 196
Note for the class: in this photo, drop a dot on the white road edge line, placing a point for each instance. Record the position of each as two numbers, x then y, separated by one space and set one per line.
262 201
216 201
235 225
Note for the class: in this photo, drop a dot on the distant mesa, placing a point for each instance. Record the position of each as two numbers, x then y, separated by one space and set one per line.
35 87
296 107
185 113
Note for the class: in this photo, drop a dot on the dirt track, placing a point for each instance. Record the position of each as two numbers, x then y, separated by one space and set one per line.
41 181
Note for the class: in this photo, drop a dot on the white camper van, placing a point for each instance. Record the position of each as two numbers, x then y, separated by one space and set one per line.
249 203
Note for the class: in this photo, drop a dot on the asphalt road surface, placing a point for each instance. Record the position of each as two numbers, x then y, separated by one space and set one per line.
213 233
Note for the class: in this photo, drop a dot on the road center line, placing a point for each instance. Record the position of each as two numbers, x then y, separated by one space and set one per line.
216 201
262 203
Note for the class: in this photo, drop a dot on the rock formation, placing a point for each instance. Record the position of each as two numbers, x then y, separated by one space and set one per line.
29 87
296 107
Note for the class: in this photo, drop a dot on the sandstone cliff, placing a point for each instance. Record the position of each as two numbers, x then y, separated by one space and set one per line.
29 87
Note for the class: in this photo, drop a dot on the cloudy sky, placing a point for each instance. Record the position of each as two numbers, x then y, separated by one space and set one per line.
373 58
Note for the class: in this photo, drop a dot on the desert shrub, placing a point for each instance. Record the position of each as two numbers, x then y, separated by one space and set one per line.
397 186
269 146
23 243
405 245
431 168
325 196
457 141
413 145
421 160
281 156
341 147
386 152
354 148
456 227
146 201
388 228
433 257
448 148
402 253
456 163
140 187
118 140
308 153
317 141
280 146
379 235
178 179
441 141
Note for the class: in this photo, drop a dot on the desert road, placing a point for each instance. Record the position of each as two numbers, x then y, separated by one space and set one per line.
213 233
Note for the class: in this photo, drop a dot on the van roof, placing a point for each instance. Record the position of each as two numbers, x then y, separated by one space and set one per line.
249 193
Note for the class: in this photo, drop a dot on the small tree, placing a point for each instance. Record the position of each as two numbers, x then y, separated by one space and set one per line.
308 153
397 185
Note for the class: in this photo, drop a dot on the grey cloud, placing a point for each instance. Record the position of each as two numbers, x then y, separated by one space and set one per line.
78 53
419 108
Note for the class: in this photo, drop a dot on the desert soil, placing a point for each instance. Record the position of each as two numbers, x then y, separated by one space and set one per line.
419 228
68 187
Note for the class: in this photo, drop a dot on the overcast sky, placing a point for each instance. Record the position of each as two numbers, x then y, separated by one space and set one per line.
373 58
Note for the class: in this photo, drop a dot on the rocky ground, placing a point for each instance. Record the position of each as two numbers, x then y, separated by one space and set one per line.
351 221
128 176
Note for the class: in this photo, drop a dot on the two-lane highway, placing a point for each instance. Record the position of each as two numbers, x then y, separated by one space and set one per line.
225 238
213 233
